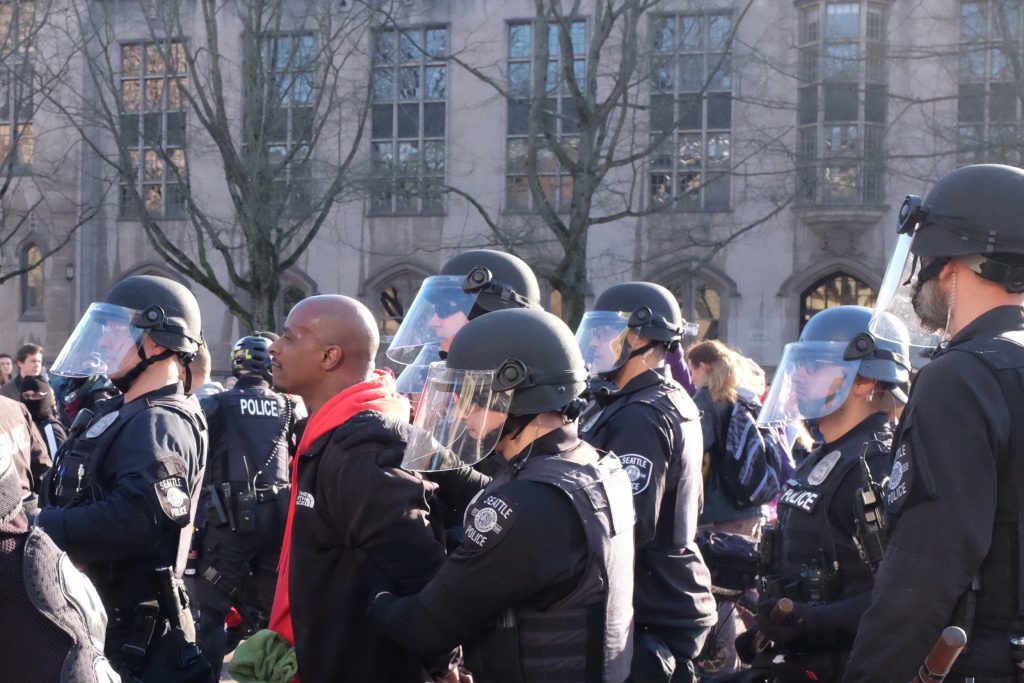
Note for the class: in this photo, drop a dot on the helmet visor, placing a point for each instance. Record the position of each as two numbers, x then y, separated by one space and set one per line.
812 381
602 340
896 297
441 308
458 421
410 381
104 343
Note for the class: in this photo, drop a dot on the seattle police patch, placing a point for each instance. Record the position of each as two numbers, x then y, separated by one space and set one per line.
896 488
172 494
823 468
100 425
638 469
487 521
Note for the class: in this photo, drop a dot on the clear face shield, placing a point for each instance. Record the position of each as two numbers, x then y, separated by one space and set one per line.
413 376
813 380
441 308
458 421
601 337
104 343
901 284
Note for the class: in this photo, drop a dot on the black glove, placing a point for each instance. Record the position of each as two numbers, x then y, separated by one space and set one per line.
799 622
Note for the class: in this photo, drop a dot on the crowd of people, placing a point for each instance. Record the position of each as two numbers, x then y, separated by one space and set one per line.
524 503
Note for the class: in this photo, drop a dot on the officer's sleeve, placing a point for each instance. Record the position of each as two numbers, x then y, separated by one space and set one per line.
524 544
382 513
150 499
637 434
942 488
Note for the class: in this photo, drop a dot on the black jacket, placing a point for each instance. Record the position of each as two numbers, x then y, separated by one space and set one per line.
352 512
719 505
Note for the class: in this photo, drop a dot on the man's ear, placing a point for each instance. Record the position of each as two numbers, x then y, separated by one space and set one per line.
151 347
333 357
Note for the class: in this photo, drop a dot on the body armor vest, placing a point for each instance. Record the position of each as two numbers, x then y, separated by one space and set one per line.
80 474
254 439
998 608
816 562
587 635
53 607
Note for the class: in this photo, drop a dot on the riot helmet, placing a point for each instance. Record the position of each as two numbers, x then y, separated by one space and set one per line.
251 356
108 338
646 308
511 364
836 346
971 214
470 284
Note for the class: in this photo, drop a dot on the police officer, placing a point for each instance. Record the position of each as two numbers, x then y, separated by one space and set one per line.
957 480
123 493
844 380
541 586
652 424
470 284
51 620
247 492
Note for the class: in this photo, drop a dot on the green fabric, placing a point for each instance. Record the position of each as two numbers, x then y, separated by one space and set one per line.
264 657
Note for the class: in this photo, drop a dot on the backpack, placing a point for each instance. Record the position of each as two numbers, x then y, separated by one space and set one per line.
751 471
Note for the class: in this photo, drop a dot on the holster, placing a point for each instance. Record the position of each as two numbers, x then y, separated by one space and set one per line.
496 656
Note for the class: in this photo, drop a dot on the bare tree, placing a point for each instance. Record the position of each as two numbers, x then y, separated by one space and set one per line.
266 131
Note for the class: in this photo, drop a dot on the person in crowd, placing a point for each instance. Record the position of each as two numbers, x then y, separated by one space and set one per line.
541 586
821 553
122 498
203 385
51 620
653 426
956 487
247 475
6 368
37 395
30 364
346 506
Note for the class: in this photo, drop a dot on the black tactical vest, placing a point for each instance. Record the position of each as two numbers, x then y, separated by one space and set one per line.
587 635
53 606
815 561
998 608
79 474
254 437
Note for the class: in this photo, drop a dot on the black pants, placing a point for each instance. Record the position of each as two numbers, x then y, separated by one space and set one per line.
665 655
247 567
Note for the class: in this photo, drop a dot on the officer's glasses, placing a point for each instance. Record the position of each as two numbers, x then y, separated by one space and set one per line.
447 307
811 366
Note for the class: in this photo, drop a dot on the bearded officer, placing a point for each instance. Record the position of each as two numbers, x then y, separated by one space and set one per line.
957 483
652 424
541 586
123 494
250 428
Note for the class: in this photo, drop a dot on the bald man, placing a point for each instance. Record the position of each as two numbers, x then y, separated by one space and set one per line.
346 508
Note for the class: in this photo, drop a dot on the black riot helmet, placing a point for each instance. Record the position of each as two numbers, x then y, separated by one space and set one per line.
503 369
836 346
110 334
646 308
498 280
251 356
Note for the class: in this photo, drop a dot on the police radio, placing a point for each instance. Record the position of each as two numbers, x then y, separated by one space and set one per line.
872 527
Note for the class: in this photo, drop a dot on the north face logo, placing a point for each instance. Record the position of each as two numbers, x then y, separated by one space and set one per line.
305 499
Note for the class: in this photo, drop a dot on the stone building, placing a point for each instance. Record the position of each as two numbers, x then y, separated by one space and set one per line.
788 134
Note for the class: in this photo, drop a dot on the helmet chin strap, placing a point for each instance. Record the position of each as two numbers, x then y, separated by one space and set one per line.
615 372
125 381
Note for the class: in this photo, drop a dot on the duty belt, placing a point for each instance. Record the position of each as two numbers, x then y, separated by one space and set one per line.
270 493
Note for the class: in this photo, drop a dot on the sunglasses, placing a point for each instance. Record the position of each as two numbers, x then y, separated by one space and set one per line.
447 307
813 365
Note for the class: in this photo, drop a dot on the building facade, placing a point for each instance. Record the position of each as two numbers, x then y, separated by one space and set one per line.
766 150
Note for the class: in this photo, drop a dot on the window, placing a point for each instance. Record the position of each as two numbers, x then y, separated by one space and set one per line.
988 99
560 115
32 280
836 289
842 102
17 29
289 62
700 302
691 111
410 94
153 101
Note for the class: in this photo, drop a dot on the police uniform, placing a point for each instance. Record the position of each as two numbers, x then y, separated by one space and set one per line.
122 498
541 586
953 497
51 620
653 426
815 560
249 435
